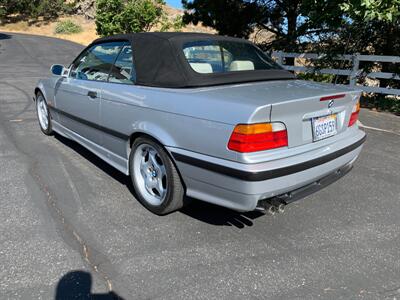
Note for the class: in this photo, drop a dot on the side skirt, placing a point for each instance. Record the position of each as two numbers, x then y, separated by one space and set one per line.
118 162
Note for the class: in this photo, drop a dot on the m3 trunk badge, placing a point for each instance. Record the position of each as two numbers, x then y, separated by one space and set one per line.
330 104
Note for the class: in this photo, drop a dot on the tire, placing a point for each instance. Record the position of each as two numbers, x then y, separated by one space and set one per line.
154 177
43 114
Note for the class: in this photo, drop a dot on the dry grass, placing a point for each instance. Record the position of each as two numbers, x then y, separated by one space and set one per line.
88 33
47 29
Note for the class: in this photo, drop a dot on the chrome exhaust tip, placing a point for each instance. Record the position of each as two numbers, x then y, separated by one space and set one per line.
266 207
280 208
271 210
278 204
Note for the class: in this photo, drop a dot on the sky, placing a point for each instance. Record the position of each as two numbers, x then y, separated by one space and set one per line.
174 3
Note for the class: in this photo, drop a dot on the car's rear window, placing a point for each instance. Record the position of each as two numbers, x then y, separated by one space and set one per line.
209 57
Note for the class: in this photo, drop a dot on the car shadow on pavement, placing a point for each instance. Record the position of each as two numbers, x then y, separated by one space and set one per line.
78 285
4 36
98 162
202 211
218 215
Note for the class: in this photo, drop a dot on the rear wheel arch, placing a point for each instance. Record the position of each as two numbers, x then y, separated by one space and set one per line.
154 131
174 185
139 134
134 136
162 138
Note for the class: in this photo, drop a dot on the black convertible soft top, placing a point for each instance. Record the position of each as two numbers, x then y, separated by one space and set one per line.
160 61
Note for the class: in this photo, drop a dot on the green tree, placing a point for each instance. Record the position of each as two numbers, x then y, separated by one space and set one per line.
123 16
375 29
48 9
373 10
175 24
233 18
291 21
299 24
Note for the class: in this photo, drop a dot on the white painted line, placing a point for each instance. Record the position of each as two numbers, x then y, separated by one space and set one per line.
75 193
16 120
377 129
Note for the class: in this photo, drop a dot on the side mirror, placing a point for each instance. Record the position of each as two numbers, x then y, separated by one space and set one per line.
58 70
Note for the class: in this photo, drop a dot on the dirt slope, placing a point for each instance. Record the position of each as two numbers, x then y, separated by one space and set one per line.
89 28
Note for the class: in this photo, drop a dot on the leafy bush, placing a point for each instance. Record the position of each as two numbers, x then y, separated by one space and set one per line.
381 102
3 14
328 78
48 9
123 16
175 24
67 27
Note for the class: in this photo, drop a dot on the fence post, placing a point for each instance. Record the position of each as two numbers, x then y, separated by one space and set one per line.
279 57
356 64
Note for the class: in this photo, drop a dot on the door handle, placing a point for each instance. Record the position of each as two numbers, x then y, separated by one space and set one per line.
92 94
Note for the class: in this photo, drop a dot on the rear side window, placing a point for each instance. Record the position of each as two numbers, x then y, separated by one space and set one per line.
123 71
95 63
208 57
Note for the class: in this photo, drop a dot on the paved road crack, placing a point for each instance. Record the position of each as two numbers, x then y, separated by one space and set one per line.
85 249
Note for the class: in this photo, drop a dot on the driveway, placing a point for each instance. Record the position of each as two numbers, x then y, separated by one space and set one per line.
69 223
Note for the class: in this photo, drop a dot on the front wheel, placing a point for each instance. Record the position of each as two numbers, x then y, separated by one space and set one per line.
154 177
43 115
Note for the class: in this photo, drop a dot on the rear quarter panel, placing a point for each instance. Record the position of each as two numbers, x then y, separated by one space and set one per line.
201 120
175 118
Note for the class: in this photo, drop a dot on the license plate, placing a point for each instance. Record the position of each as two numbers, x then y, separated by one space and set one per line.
324 127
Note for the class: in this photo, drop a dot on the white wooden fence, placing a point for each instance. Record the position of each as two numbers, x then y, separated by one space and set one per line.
353 74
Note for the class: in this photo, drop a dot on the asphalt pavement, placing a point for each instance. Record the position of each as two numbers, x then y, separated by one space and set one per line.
70 225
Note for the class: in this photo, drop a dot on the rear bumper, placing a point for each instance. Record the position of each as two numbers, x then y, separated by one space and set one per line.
241 186
311 188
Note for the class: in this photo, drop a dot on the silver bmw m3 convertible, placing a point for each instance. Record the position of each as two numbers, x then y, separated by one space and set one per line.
208 117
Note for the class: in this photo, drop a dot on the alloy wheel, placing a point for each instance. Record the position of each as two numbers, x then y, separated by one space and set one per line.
150 174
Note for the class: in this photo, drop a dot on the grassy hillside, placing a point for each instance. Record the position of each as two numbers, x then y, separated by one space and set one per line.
88 34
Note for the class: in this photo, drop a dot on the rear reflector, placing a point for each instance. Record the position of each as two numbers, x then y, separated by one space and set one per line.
326 98
354 114
258 137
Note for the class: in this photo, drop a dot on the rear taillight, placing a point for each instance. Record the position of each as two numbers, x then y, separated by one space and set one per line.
354 114
258 137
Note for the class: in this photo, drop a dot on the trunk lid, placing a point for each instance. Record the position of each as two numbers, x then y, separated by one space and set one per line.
292 102
312 103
